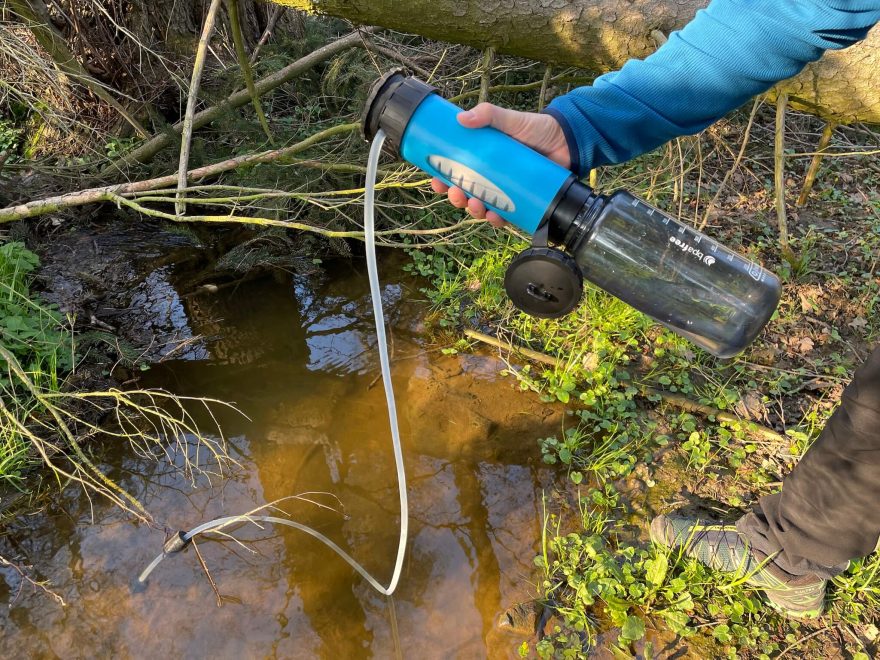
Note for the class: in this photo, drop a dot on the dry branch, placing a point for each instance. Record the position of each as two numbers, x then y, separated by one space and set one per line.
192 99
824 141
779 173
104 193
153 146
245 66
486 73
710 209
53 43
671 398
270 25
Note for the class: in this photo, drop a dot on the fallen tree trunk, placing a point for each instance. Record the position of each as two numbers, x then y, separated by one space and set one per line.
600 35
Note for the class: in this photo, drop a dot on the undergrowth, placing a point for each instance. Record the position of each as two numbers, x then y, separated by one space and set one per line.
44 420
39 338
630 450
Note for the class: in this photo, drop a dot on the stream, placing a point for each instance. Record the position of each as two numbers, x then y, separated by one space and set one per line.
296 354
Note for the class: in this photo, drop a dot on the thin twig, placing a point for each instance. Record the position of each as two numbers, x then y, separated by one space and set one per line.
207 573
100 194
779 173
34 583
545 83
270 25
486 73
192 99
54 44
151 147
824 141
397 57
804 639
524 87
245 66
671 398
733 168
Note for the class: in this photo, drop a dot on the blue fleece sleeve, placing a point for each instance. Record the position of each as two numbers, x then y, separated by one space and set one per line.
729 52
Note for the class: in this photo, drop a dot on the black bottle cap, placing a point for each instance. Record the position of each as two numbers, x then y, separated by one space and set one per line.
544 282
392 100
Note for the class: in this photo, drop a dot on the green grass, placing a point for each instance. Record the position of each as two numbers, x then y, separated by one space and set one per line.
40 340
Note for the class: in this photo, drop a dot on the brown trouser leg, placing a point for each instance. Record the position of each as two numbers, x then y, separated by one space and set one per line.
828 511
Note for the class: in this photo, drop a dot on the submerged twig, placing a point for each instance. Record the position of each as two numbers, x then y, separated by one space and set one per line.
25 578
207 573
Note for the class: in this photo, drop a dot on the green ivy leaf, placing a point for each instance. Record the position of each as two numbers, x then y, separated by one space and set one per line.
677 622
722 633
632 629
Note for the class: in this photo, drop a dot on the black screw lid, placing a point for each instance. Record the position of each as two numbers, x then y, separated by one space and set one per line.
392 100
544 282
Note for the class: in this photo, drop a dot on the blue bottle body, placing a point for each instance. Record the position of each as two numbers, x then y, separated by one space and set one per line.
510 178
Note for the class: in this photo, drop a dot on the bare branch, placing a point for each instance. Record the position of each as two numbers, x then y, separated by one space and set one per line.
192 99
149 149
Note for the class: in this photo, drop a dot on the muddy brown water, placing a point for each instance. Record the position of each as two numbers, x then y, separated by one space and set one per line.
297 355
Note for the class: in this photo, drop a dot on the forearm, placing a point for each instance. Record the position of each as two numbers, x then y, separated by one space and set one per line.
731 51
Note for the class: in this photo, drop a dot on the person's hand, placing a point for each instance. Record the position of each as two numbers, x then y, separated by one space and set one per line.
540 132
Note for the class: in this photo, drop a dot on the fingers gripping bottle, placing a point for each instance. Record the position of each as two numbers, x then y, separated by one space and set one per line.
678 276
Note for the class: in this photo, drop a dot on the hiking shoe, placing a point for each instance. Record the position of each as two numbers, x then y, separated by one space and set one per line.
723 548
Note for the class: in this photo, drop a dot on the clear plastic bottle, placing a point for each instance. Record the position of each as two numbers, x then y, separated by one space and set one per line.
673 273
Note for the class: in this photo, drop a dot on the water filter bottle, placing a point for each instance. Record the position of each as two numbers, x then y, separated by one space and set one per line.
678 276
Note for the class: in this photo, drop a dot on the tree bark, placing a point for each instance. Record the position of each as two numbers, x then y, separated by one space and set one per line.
600 35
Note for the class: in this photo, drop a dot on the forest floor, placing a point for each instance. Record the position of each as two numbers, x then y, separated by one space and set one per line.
632 455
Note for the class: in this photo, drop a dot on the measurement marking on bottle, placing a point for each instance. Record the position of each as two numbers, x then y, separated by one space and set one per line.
651 211
635 202
713 247
665 220
698 239
681 229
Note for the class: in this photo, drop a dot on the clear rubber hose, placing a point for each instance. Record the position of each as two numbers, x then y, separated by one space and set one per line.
384 362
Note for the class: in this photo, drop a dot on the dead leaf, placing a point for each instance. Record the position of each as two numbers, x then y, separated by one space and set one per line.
591 361
805 345
858 322
807 303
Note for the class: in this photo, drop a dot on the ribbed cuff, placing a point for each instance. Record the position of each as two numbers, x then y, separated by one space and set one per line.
573 150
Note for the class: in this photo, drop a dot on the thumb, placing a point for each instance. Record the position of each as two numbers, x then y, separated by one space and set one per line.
486 114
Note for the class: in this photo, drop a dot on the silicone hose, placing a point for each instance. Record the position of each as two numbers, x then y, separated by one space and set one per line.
384 362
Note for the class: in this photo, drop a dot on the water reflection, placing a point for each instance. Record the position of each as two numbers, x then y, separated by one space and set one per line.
297 356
